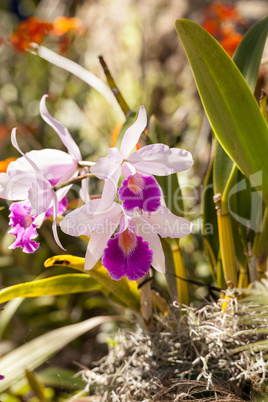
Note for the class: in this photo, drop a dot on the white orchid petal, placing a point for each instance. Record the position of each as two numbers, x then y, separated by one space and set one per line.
15 187
54 224
160 160
84 191
109 191
51 162
128 169
97 244
158 254
133 133
62 131
40 195
85 219
39 220
16 145
107 166
167 224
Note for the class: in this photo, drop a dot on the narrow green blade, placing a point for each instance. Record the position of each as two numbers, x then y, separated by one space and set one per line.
231 108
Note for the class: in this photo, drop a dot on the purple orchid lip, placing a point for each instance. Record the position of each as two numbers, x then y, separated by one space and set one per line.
22 227
2 377
127 255
140 191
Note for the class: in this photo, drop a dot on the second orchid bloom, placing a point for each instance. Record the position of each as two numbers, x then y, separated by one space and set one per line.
142 215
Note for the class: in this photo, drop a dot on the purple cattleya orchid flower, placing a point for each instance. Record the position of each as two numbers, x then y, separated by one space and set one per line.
137 244
54 165
154 159
31 178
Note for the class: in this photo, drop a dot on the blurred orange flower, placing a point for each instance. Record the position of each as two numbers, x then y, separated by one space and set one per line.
63 25
30 30
4 164
221 20
34 30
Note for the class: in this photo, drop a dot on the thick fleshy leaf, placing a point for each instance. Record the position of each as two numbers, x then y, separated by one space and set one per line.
231 108
222 168
36 352
59 377
249 52
56 285
133 133
124 290
62 131
160 160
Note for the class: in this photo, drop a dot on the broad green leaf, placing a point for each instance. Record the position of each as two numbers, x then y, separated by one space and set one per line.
34 353
55 286
249 52
8 312
231 108
222 168
59 377
125 291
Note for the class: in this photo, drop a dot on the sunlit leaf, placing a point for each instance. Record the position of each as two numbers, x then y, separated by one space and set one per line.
123 290
249 52
36 386
231 108
59 377
34 353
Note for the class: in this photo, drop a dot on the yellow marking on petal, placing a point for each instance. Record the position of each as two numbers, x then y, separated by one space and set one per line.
136 183
127 241
27 221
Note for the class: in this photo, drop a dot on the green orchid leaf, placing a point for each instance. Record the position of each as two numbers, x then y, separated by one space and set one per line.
56 285
36 352
210 224
231 108
124 292
222 168
59 377
36 386
249 52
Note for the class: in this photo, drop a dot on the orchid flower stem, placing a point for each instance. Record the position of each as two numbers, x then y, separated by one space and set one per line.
261 247
86 163
78 71
263 105
118 95
182 286
226 240
72 181
146 301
